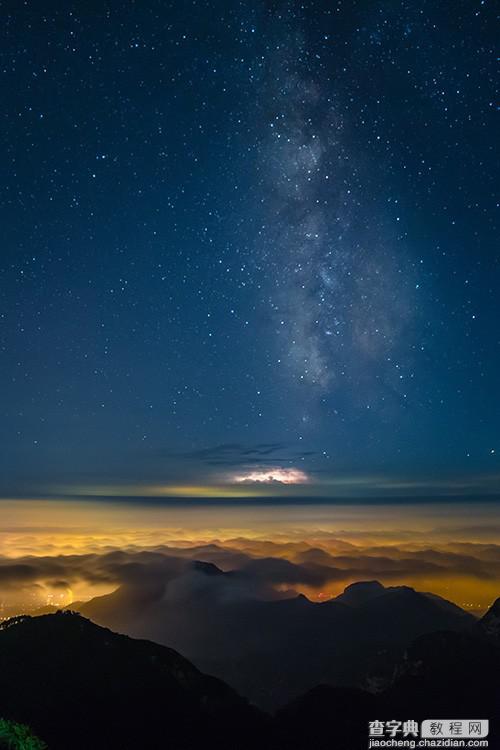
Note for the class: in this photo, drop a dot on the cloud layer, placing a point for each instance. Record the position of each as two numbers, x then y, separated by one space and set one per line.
256 568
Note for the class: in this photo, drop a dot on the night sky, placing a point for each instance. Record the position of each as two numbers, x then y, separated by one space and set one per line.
249 243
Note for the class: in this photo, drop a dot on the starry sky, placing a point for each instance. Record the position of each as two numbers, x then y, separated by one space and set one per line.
248 248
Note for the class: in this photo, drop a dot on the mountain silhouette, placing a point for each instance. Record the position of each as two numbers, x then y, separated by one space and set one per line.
273 650
489 624
360 592
80 686
441 674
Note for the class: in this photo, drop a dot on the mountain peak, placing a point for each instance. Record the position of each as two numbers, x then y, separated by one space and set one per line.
71 618
361 591
208 568
495 607
490 622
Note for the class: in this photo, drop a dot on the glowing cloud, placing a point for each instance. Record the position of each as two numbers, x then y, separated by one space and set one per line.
272 476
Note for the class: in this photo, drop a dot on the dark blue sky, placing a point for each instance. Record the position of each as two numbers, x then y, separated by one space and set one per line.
239 237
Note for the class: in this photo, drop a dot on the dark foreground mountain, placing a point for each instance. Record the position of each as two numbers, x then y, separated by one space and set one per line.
274 650
441 675
80 686
83 687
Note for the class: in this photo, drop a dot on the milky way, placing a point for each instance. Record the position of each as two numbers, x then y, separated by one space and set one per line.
246 224
342 280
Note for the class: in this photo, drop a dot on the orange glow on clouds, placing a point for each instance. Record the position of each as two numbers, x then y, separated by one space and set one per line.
450 549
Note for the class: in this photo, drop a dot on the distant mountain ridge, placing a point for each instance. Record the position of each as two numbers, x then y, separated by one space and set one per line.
81 686
258 645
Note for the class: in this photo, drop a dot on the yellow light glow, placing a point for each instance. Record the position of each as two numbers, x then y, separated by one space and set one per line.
429 544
